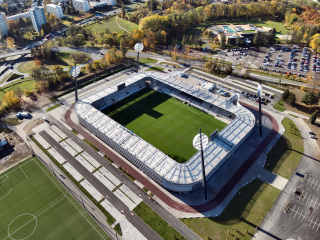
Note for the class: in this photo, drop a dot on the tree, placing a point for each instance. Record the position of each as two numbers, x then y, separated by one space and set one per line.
10 99
313 117
96 64
315 42
10 42
222 41
59 73
123 10
286 94
78 57
123 48
291 100
310 98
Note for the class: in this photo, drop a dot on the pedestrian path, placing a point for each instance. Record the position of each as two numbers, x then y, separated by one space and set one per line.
129 232
273 179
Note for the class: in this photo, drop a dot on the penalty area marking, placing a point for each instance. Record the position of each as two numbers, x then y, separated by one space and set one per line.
33 218
6 194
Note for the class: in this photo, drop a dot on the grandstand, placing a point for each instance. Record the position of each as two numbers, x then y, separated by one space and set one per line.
178 177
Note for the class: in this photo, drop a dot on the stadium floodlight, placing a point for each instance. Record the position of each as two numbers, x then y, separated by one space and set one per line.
200 141
259 92
75 72
138 48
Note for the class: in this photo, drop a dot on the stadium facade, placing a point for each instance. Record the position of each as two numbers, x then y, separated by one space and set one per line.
174 176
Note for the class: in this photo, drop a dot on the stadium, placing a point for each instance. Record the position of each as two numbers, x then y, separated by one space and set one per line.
170 174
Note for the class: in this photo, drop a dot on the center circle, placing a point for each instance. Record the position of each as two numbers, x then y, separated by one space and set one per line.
22 226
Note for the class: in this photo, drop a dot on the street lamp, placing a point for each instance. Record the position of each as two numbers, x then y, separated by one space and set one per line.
200 141
75 71
259 92
138 48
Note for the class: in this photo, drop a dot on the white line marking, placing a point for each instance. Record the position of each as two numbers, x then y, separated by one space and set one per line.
296 212
311 221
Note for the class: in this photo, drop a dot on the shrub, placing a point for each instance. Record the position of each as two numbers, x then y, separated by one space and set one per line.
313 117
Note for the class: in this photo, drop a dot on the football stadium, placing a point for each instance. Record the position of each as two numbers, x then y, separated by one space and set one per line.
151 119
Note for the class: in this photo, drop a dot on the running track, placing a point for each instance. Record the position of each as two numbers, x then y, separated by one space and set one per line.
158 191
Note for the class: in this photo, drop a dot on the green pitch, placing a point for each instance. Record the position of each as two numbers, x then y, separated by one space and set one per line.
163 121
34 205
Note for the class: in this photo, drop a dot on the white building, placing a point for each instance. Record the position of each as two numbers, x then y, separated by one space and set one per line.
81 5
4 25
20 15
37 17
55 10
109 2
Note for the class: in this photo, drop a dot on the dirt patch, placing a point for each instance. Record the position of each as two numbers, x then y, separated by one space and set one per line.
14 152
36 102
28 128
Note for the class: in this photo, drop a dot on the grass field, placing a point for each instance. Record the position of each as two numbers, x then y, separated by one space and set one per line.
244 213
155 68
279 106
157 223
63 59
34 205
164 122
285 156
26 85
112 25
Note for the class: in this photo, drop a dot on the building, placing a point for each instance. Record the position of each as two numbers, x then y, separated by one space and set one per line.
233 32
55 10
20 15
4 25
37 17
81 5
109 2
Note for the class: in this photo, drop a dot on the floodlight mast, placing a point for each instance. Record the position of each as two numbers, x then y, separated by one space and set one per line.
259 91
204 181
76 84
138 48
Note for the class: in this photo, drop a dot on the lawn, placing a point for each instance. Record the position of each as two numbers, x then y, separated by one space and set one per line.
26 85
112 25
34 205
157 223
285 156
154 68
53 107
279 106
244 213
63 59
147 60
163 121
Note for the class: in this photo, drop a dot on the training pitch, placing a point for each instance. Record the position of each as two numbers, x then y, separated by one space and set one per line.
163 121
34 205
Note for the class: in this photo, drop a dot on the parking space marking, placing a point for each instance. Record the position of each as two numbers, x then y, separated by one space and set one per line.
312 201
311 220
302 215
292 210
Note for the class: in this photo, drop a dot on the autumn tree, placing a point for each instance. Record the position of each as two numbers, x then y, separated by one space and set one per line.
10 99
10 42
123 48
59 73
78 57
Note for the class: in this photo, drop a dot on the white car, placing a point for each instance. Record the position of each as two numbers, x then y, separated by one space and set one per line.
313 137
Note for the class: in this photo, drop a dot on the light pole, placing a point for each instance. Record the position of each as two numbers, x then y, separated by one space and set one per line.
75 71
259 92
138 48
200 141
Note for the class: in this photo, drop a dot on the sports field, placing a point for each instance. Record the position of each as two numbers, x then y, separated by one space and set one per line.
34 205
163 121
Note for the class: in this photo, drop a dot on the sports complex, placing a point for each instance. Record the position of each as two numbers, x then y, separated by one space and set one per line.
151 119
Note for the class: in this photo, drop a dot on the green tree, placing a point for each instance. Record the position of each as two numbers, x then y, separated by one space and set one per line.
291 100
222 41
310 98
313 117
123 48
123 10
286 94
